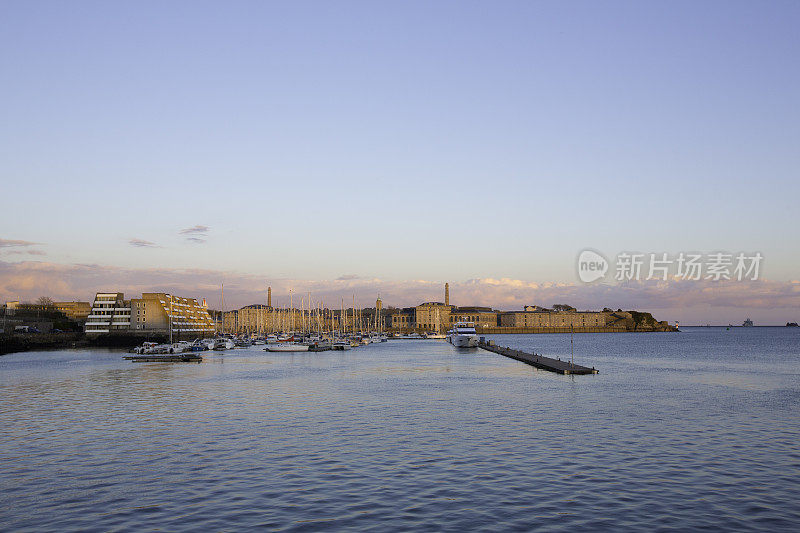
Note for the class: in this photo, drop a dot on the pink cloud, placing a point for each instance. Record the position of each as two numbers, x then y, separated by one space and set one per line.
7 243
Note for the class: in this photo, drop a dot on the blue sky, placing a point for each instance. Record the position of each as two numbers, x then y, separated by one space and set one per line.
316 139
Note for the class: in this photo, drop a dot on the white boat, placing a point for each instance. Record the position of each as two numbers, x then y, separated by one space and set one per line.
463 335
435 336
223 344
341 344
286 347
146 348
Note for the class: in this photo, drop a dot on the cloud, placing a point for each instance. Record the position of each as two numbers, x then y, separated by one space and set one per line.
25 252
348 277
195 230
8 243
196 234
766 302
139 243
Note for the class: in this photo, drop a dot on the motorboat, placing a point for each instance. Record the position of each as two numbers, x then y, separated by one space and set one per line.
223 344
341 344
463 335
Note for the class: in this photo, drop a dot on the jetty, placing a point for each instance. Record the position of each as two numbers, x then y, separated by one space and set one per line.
539 361
173 358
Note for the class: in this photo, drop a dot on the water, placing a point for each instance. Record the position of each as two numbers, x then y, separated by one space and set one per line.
693 430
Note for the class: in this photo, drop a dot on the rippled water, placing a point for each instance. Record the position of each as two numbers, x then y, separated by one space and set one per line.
690 430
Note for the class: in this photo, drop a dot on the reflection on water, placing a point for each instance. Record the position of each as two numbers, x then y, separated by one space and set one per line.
690 430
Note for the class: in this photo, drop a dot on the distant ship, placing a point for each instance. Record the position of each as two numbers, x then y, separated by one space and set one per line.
747 323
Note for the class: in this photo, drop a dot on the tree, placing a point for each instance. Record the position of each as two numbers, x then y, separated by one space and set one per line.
45 302
562 307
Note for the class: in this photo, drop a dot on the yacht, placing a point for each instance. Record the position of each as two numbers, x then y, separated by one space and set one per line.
463 335
286 347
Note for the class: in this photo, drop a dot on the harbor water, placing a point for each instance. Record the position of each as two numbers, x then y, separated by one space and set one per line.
698 429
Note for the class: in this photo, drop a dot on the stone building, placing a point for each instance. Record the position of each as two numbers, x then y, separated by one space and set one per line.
433 316
482 317
555 319
403 319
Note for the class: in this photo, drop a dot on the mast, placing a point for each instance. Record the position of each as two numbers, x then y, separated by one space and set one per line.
169 318
222 290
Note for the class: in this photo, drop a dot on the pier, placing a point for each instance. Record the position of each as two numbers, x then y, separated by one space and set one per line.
539 361
172 358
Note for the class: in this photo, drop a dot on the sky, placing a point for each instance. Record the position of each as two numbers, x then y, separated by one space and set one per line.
389 147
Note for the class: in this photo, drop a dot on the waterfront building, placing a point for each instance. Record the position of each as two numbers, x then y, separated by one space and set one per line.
482 317
403 319
74 310
544 318
110 312
158 311
433 316
153 312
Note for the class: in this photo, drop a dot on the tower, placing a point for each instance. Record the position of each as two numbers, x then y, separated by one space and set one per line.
269 297
446 294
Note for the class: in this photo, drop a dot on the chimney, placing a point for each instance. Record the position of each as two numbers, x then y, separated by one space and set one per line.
446 294
269 297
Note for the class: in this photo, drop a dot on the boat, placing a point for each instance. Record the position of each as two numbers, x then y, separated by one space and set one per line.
201 345
435 336
341 344
223 344
146 348
747 323
286 347
463 335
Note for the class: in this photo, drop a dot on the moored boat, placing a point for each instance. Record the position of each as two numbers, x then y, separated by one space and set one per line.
286 347
463 335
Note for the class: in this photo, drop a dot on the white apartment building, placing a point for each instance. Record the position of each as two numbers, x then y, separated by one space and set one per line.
110 312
